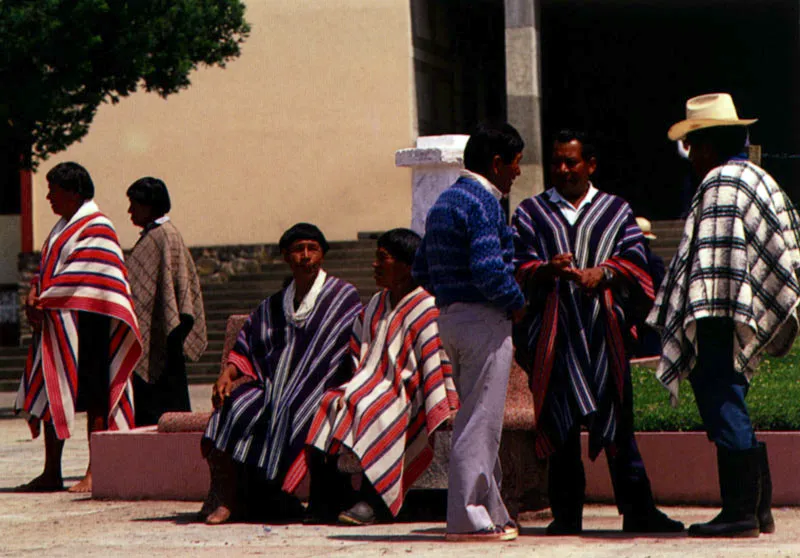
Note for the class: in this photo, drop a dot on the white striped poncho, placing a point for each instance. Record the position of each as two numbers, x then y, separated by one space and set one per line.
737 259
264 422
402 390
82 269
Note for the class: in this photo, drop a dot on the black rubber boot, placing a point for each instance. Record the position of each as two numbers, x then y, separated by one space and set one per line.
766 523
739 486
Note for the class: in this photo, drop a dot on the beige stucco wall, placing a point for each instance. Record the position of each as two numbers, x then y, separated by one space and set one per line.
303 126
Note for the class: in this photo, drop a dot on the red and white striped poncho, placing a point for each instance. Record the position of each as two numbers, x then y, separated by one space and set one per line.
82 269
401 391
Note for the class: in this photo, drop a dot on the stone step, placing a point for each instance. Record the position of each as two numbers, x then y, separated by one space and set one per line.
253 286
8 384
14 359
232 302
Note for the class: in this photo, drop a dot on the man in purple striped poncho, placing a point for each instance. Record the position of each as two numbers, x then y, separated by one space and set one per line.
290 351
581 257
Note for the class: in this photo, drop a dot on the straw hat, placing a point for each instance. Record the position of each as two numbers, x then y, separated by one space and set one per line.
707 111
644 224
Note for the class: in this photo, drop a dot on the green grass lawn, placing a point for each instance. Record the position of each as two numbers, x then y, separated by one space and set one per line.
774 398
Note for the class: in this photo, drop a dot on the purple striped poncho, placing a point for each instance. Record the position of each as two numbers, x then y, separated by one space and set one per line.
573 341
264 422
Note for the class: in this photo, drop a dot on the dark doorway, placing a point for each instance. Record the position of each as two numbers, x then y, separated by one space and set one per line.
459 64
625 69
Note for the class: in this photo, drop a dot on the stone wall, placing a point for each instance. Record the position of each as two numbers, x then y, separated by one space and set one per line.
217 264
27 266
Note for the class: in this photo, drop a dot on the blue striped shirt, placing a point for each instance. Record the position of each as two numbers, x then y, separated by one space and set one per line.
467 251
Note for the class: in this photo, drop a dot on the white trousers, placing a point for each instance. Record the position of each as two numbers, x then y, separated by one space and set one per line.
477 339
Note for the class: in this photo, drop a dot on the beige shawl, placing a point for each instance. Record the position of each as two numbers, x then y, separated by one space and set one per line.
166 291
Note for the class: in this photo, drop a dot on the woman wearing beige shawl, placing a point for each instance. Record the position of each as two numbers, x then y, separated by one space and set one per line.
168 304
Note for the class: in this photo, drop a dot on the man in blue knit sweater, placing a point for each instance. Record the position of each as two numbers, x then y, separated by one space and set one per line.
465 261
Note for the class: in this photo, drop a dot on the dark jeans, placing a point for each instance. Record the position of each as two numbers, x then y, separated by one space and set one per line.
567 481
718 389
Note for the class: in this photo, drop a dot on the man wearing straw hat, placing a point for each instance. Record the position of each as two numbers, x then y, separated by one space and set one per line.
731 293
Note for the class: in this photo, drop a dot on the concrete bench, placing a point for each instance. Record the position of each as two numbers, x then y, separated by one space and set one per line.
164 462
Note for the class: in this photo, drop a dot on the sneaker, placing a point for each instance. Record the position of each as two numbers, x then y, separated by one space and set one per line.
489 534
360 514
510 531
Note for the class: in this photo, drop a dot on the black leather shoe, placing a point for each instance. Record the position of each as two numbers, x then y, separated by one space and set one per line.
360 514
561 528
655 521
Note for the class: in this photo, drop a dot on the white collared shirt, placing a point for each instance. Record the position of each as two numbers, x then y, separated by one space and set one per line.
480 179
569 211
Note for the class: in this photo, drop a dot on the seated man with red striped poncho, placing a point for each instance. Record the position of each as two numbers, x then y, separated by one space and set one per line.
86 340
380 422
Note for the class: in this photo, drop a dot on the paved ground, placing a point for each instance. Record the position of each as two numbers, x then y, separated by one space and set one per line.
61 524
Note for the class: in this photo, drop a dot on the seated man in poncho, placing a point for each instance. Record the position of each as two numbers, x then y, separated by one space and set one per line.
401 391
290 351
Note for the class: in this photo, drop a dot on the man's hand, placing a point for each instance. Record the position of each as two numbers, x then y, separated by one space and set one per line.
223 386
590 278
33 310
559 266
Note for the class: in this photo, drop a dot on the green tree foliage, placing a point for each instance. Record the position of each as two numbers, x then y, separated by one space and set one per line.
60 59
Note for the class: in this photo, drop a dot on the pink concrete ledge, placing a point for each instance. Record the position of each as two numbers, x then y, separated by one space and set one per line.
144 464
682 467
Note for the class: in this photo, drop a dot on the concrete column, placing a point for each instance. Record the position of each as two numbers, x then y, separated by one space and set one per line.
435 163
524 93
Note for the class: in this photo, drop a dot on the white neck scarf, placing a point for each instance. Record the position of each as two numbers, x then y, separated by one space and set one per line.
299 316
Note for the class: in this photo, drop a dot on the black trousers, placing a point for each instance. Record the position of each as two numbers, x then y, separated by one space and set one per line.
94 339
567 479
170 392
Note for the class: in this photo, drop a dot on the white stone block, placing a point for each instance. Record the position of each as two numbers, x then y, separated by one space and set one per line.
435 163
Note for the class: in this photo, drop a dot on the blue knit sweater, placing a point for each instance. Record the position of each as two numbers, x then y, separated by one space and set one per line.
466 253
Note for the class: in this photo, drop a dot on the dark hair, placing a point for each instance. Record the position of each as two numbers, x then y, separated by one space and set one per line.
489 140
402 244
567 135
73 178
728 141
302 231
151 192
